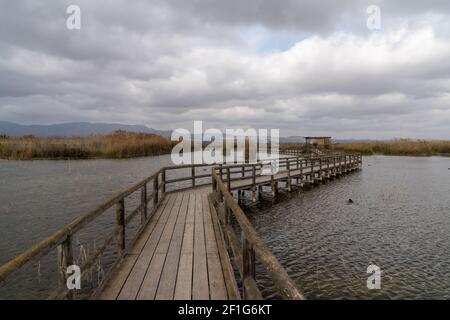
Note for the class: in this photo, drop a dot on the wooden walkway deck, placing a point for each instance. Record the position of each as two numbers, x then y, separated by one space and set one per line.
186 246
179 255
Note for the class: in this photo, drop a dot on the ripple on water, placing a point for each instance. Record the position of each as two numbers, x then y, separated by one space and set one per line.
399 221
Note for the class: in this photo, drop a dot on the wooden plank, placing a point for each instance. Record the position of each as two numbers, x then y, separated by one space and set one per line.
183 288
200 285
132 285
112 288
143 238
168 279
117 281
227 269
217 287
150 283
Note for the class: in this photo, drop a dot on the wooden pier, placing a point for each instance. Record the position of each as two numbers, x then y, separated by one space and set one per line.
194 240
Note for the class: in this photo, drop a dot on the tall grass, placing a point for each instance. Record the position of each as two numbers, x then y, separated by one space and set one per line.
119 144
398 147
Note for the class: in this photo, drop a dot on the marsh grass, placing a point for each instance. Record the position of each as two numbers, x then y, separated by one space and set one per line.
404 147
398 147
119 144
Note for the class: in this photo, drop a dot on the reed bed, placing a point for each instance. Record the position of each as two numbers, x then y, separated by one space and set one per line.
119 144
399 147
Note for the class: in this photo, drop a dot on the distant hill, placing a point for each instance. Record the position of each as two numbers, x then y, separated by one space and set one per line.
299 139
73 129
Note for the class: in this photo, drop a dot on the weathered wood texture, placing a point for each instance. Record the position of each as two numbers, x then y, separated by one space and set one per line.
179 255
179 250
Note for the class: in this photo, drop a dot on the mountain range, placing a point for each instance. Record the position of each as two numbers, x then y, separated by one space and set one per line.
81 129
73 129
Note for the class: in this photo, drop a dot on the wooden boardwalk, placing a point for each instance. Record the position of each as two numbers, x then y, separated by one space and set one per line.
193 242
179 255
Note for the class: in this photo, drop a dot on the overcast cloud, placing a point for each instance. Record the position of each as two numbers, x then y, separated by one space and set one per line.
304 66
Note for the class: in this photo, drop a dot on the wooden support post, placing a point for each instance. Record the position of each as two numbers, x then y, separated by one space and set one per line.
144 204
248 265
213 182
328 167
288 167
272 183
163 181
228 179
300 179
65 259
254 183
193 176
311 176
155 191
243 171
120 221
320 168
334 165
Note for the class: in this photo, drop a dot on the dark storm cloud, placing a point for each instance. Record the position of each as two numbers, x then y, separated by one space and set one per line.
307 67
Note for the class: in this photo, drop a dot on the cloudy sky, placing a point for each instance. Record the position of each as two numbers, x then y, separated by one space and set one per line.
303 66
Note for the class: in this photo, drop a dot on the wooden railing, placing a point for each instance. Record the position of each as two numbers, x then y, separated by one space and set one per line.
320 166
62 240
160 183
252 247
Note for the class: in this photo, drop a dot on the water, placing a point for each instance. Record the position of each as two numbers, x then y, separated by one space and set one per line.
39 197
399 221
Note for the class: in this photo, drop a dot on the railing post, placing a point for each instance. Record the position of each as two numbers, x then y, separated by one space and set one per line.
248 263
320 167
193 176
144 204
155 190
120 221
334 165
288 167
300 178
163 181
65 259
311 176
328 166
228 179
254 183
213 182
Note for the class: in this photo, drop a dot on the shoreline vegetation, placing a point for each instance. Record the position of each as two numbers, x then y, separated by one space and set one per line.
399 147
396 147
117 145
122 145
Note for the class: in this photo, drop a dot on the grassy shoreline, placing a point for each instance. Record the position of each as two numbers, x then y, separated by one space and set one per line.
118 145
398 147
419 148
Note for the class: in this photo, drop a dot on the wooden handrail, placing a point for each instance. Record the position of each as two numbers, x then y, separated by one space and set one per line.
253 243
62 239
